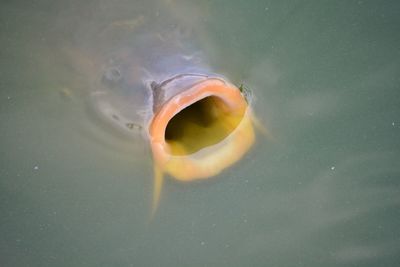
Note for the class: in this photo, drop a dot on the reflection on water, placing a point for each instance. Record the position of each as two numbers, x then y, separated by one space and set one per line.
74 191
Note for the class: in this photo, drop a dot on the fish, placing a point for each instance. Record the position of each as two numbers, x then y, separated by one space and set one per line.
160 84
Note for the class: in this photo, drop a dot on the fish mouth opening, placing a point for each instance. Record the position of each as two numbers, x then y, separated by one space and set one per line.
201 131
204 123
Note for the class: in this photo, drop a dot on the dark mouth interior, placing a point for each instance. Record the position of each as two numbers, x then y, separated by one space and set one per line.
202 124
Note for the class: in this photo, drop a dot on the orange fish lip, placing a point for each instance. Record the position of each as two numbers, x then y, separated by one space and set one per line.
210 160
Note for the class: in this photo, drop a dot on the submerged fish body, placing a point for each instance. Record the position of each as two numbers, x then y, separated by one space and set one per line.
137 76
196 122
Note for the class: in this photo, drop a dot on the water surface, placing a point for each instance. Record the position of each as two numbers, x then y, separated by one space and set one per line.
323 191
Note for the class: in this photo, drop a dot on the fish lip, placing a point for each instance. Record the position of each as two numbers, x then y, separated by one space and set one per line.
196 165
174 85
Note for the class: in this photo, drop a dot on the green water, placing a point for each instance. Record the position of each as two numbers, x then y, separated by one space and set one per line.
323 190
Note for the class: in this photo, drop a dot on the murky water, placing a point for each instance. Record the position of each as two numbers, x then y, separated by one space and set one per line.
322 189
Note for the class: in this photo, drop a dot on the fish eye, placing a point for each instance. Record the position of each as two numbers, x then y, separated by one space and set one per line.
111 76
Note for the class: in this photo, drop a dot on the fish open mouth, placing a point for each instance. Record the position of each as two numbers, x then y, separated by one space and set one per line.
201 131
200 125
